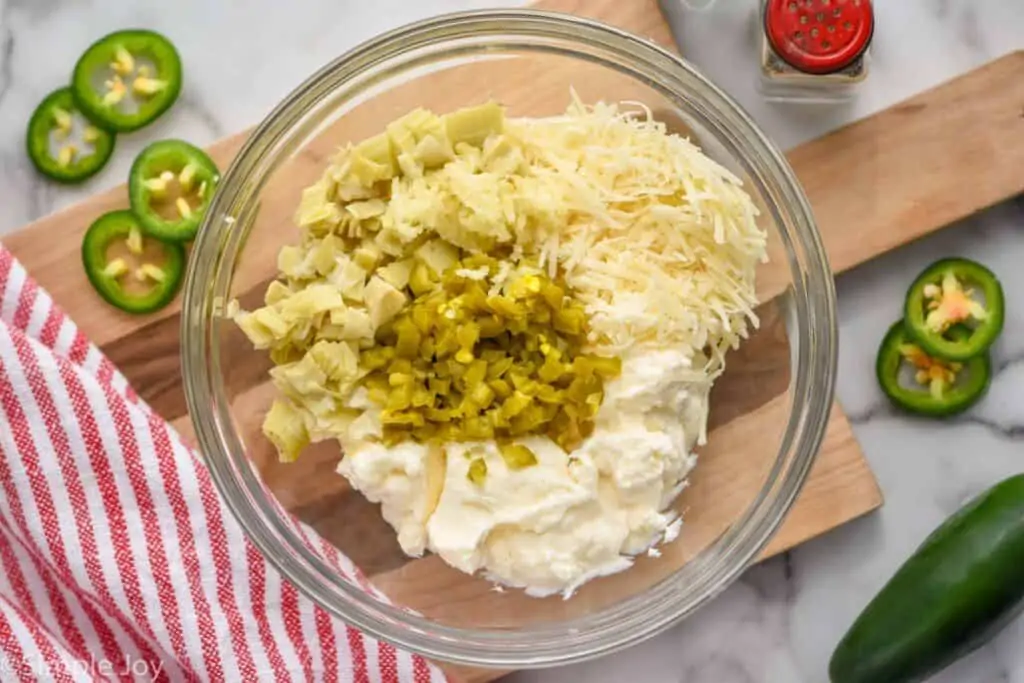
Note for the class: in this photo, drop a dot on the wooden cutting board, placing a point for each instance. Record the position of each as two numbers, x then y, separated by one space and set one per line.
874 185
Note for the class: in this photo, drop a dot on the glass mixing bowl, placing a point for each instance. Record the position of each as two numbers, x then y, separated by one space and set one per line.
769 409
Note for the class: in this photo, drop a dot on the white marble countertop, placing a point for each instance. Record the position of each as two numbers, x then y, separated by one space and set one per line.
780 623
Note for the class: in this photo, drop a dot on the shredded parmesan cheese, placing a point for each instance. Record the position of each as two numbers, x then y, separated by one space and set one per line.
660 243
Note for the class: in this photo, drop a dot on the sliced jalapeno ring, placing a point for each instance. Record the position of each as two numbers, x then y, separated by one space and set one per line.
134 273
943 296
170 187
944 387
63 144
127 79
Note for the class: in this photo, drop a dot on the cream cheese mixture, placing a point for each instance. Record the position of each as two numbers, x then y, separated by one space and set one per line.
572 517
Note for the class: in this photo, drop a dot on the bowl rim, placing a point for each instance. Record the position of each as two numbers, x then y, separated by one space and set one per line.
225 229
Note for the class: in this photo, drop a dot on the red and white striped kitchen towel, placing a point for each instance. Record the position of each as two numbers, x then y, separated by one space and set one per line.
118 561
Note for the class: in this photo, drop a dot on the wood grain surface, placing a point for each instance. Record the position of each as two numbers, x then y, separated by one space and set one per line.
874 185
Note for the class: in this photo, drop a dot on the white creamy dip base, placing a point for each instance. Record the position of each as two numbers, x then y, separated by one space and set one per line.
553 526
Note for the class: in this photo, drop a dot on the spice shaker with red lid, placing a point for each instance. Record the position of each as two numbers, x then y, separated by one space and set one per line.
814 50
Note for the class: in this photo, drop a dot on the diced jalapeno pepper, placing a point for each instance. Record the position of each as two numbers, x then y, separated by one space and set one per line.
63 144
943 296
945 387
134 273
170 187
127 79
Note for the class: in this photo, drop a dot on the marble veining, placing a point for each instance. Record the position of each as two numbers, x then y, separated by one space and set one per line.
779 623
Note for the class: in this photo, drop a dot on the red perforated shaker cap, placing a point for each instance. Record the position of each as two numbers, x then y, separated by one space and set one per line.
819 36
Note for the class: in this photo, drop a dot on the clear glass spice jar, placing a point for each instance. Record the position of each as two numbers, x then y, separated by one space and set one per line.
814 50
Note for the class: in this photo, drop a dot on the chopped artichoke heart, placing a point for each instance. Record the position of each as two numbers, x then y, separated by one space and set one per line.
259 335
367 255
474 125
277 292
317 212
419 139
401 138
433 152
284 427
349 278
371 208
292 262
300 379
310 302
337 360
355 324
390 243
397 273
383 301
371 161
420 280
324 255
270 320
437 255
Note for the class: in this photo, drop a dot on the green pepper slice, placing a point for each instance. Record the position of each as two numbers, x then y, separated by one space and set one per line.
944 388
133 273
127 79
940 298
170 187
64 145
